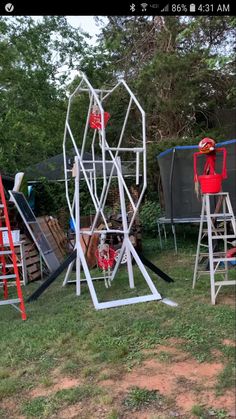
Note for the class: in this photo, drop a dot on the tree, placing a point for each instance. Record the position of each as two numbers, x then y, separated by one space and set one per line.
182 70
36 57
179 67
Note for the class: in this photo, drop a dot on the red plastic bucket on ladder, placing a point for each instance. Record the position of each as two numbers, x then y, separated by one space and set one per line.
210 183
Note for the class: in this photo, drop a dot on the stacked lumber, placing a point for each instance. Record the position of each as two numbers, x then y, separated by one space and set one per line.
58 234
54 235
32 258
89 245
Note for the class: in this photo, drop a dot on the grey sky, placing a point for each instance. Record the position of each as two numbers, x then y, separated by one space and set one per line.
87 23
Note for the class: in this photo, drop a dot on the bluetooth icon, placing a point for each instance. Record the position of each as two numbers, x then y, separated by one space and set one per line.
132 7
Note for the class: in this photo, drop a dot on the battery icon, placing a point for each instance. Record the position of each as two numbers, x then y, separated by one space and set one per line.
192 7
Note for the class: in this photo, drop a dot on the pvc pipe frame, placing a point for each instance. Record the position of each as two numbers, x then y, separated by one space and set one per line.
99 202
126 246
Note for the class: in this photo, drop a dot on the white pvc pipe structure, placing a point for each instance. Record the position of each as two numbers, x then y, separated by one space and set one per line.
90 177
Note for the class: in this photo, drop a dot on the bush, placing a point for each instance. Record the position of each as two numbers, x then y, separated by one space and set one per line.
148 214
49 197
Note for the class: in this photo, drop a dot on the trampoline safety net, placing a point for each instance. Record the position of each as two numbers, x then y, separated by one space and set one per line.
176 169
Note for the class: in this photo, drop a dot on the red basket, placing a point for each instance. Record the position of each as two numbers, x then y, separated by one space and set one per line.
95 120
210 183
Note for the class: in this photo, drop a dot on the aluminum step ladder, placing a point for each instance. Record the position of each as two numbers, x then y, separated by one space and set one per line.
217 231
5 273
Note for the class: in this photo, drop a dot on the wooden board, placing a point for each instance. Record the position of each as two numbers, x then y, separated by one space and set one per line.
32 258
89 245
58 234
50 238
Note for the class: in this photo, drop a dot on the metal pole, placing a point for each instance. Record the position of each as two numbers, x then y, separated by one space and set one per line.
77 225
125 227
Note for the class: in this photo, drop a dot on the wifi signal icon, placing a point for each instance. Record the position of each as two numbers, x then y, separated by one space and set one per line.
144 6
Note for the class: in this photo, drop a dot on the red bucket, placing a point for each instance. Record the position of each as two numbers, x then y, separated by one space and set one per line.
210 183
95 120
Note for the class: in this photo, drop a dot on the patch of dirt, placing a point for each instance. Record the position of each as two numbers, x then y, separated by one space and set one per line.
228 300
175 342
183 380
226 401
162 376
71 412
111 374
172 354
61 384
11 407
229 342
144 415
185 401
216 353
82 411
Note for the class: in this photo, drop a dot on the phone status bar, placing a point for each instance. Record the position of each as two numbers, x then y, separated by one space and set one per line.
180 8
116 9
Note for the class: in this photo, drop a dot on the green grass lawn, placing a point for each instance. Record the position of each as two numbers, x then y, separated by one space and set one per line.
64 334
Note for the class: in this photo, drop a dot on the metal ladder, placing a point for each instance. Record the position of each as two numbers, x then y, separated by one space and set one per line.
215 235
4 273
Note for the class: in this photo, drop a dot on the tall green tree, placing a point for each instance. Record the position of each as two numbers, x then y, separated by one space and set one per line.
182 68
36 58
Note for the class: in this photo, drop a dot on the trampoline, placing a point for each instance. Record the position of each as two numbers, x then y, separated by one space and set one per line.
181 205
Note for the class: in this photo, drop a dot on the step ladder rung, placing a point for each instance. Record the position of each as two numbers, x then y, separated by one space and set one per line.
219 271
8 276
218 193
226 282
12 284
12 301
3 228
224 259
215 254
228 236
218 230
5 252
222 215
10 265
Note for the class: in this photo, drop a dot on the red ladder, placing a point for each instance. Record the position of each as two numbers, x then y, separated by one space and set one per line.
4 276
